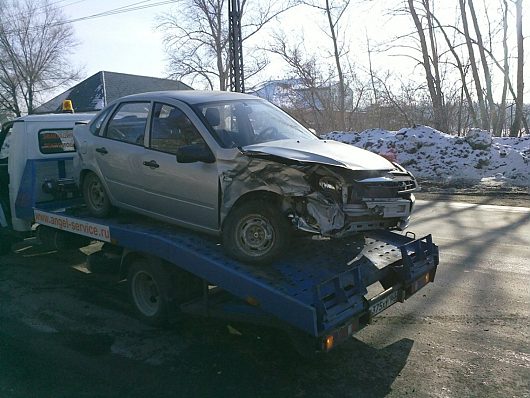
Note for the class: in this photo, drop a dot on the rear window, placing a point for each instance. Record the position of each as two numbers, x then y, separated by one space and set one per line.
95 126
56 141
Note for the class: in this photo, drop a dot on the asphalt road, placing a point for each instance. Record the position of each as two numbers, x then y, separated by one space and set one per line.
67 333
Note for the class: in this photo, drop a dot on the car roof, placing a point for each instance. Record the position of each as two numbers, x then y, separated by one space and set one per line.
190 96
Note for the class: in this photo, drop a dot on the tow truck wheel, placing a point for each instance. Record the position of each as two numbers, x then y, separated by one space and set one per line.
255 232
95 196
149 289
156 290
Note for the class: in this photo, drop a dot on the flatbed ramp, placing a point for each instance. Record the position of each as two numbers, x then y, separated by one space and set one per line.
317 286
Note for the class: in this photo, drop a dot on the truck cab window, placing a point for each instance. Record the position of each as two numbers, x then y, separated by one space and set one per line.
4 150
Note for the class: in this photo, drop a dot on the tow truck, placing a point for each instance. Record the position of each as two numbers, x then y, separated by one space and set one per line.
321 292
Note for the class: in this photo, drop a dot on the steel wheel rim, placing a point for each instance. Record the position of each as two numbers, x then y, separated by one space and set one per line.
96 194
146 293
255 235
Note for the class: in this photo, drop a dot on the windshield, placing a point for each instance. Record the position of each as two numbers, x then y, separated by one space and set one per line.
242 123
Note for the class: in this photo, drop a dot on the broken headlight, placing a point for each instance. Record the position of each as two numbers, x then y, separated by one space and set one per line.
331 188
329 184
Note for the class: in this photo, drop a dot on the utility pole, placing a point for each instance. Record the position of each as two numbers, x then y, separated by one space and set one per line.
237 79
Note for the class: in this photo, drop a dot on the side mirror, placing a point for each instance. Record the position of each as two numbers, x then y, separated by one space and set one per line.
195 153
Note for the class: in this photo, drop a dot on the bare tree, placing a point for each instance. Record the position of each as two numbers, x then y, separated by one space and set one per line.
490 104
502 107
196 38
305 67
517 121
334 12
35 42
390 97
473 65
430 62
371 70
461 70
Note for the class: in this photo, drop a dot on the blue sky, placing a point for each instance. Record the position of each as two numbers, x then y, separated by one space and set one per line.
126 42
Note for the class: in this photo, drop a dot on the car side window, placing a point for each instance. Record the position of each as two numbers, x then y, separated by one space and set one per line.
128 123
171 129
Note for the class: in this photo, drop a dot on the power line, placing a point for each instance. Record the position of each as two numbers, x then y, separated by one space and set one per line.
43 6
140 5
120 10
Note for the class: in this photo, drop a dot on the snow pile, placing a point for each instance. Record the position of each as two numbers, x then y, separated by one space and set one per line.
479 139
436 156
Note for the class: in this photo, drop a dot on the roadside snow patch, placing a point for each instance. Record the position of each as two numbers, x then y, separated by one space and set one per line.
433 155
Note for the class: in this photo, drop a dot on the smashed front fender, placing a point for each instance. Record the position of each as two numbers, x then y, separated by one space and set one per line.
244 174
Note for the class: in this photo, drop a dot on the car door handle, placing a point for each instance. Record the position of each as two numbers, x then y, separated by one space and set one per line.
152 164
102 150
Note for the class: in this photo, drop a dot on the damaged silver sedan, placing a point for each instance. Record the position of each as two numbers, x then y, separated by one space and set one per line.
234 165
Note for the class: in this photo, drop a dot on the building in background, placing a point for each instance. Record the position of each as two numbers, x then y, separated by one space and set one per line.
316 107
95 92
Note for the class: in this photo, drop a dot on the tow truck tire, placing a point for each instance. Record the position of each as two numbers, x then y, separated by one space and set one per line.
256 232
157 288
150 290
96 198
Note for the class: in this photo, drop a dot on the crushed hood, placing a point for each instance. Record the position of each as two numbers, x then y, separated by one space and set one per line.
326 152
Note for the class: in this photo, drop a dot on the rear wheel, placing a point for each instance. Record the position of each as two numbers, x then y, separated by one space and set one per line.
156 289
256 232
95 196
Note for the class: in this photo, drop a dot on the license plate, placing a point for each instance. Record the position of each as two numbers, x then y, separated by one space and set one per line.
383 304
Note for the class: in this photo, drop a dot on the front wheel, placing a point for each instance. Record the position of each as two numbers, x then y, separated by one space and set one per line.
256 232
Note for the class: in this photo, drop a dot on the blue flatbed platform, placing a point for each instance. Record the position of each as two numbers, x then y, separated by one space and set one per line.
316 287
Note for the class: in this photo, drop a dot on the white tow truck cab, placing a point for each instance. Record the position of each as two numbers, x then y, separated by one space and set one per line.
41 146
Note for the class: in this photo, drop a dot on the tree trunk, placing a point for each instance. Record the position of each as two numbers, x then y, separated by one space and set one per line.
342 106
482 107
439 119
435 58
370 68
498 129
460 67
518 119
490 105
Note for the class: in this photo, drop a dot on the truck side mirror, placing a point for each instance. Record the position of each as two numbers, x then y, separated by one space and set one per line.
195 153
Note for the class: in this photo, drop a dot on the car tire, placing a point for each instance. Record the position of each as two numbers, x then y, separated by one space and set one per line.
96 198
156 289
256 232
